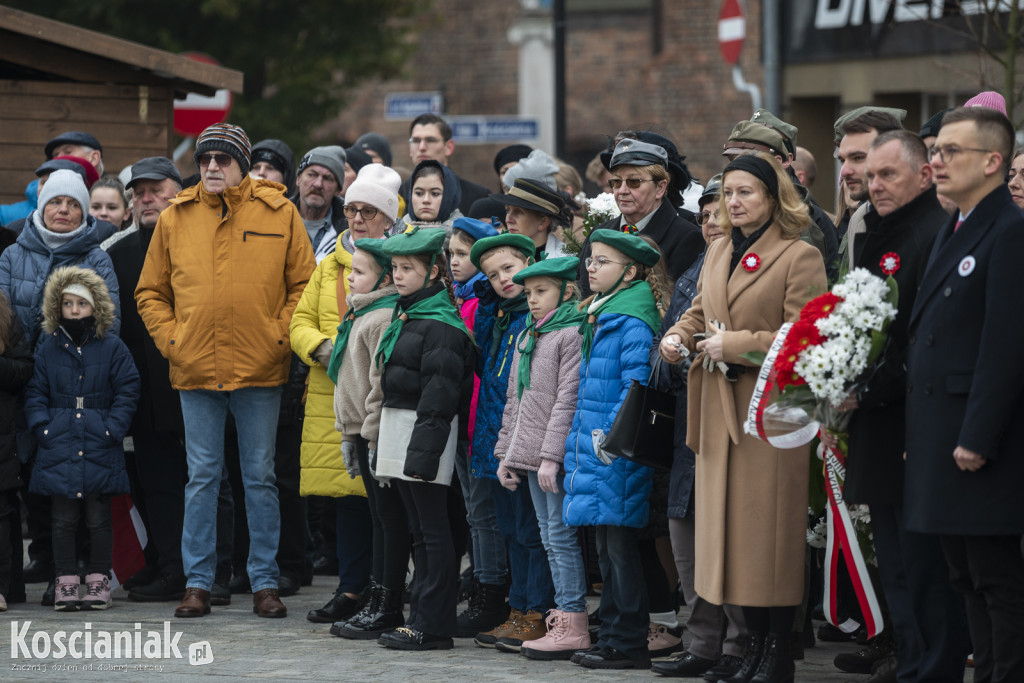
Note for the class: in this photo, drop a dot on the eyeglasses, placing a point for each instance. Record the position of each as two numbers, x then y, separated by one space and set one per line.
367 212
416 142
599 262
631 183
704 216
223 160
947 152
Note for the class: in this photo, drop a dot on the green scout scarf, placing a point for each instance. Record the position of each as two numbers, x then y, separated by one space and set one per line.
637 301
437 307
345 329
506 308
566 315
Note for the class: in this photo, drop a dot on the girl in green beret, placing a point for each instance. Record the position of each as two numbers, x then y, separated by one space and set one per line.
426 358
531 445
626 274
357 405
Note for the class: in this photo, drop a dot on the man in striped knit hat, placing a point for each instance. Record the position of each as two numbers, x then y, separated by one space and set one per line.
226 266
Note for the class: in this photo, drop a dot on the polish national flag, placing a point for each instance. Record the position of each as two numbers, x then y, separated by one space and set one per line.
129 539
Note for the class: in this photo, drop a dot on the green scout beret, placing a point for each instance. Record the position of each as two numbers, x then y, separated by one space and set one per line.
416 241
560 268
374 247
632 246
520 242
788 130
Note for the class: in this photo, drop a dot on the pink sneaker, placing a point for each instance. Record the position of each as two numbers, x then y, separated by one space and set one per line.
97 592
567 633
66 593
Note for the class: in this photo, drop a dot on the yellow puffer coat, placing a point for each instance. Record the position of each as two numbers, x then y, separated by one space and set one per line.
221 278
316 320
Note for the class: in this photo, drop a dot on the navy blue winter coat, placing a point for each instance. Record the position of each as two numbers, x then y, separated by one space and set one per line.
26 264
80 401
493 369
596 493
673 378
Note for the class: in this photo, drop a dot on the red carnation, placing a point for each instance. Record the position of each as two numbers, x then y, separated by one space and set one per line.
819 307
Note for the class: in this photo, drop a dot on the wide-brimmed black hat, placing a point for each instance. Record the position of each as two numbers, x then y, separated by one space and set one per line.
530 194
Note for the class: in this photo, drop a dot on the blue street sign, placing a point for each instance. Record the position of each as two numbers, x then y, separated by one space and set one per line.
399 106
481 130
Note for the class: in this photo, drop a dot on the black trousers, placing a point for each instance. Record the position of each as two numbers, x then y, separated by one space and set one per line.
7 519
391 540
434 592
162 472
928 621
624 609
989 571
65 513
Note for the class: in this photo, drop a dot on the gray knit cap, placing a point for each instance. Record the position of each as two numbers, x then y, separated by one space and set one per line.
65 183
538 166
332 158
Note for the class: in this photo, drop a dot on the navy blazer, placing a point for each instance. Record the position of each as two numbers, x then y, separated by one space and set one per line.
965 377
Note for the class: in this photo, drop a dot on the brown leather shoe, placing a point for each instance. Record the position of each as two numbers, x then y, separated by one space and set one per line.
266 603
196 603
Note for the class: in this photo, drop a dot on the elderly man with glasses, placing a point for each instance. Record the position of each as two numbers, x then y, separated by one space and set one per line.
226 267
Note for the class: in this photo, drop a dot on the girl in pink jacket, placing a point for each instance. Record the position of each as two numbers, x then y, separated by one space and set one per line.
538 415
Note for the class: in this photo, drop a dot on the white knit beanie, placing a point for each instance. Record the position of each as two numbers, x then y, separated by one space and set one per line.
81 290
65 183
376 185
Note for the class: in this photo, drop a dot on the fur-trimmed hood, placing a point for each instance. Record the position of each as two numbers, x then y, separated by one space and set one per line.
59 280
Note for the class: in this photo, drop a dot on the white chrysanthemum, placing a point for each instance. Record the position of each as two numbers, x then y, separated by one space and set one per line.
604 205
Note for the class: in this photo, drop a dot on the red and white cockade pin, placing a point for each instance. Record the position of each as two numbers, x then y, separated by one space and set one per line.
751 262
890 263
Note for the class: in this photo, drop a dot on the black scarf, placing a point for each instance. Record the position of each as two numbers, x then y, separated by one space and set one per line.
740 244
78 329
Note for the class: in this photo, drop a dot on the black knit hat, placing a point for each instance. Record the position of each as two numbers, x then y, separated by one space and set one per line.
224 137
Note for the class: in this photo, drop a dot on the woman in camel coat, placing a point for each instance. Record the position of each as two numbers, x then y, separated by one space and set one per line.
751 498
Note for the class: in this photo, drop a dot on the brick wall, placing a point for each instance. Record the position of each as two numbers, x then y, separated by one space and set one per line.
614 80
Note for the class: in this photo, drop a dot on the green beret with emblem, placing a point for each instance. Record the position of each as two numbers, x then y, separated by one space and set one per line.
632 246
416 241
508 239
560 268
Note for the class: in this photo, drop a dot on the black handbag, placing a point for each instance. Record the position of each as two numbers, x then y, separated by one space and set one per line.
644 428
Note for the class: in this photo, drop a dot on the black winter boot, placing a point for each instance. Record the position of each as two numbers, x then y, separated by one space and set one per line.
776 665
753 645
387 617
370 607
487 609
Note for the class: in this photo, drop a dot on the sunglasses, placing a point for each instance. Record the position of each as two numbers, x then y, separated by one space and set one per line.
223 160
631 183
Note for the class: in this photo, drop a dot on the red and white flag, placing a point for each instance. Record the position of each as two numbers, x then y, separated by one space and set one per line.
130 539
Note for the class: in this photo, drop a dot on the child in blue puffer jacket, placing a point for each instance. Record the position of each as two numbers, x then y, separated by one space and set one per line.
622 317
80 404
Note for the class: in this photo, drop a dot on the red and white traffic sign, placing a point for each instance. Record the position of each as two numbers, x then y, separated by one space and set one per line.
196 113
732 29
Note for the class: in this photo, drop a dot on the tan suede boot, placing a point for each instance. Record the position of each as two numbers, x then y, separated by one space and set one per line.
489 638
530 627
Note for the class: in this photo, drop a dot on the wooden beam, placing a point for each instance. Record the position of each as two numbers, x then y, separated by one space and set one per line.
163 64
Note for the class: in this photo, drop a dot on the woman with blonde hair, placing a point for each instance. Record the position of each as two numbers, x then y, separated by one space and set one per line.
752 512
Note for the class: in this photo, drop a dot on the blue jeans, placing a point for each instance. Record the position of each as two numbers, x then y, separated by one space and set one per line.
564 554
531 577
255 410
489 564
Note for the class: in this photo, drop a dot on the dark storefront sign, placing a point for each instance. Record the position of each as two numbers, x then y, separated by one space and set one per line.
824 30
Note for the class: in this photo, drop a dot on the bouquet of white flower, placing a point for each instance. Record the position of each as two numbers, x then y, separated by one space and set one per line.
600 209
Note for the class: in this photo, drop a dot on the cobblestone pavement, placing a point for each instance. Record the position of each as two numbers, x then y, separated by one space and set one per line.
245 646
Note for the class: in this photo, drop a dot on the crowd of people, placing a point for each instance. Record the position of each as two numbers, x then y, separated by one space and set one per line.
332 366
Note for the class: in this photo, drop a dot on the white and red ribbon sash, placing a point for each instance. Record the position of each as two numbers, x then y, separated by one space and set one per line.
843 539
761 398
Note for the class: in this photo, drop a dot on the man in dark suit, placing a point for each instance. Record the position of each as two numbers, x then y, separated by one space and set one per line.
927 615
965 389
157 430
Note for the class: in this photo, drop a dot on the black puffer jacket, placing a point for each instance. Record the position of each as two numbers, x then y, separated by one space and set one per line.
430 371
15 371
